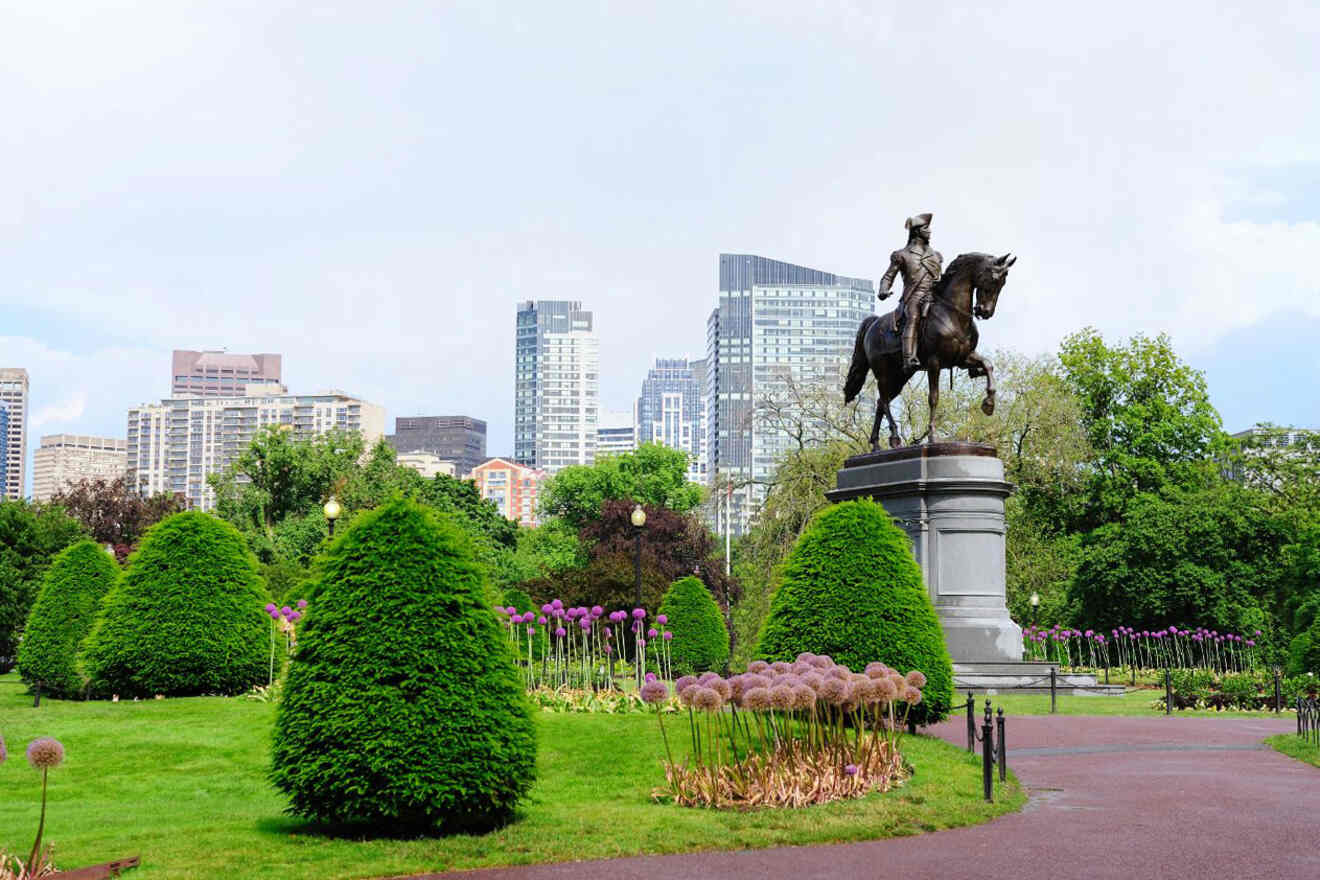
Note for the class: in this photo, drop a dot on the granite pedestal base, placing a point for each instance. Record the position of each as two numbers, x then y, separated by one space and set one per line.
949 498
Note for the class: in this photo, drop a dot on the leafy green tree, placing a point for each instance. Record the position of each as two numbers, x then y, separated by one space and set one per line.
1282 464
185 618
1204 557
30 536
652 475
851 589
1147 416
402 708
71 593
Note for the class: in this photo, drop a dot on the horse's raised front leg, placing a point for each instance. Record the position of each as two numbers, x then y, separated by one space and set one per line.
933 379
976 362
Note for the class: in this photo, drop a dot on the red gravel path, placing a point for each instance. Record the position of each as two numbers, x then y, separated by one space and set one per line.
1110 797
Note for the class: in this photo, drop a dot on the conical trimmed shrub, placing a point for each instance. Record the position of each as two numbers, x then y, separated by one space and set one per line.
185 618
65 610
701 640
851 589
402 710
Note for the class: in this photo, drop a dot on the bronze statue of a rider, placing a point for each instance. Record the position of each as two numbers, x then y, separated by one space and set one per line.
920 265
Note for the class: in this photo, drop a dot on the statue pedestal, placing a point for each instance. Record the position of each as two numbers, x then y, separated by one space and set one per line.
949 498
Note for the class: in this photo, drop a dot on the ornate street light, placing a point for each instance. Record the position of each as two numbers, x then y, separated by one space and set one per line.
1035 603
638 521
331 511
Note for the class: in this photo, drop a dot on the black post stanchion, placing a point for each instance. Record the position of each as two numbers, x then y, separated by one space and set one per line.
1299 715
987 755
1278 695
1168 692
1002 748
1054 689
971 723
1106 673
36 695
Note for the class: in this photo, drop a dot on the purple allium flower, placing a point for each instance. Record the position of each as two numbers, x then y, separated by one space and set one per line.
668 635
706 699
652 633
3 754
294 617
556 604
286 611
650 676
270 606
782 698
641 643
609 633
45 753
684 683
597 611
756 698
561 632
547 608
1259 633
302 604
531 630
274 614
541 620
850 769
585 624
661 619
609 649
1251 644
639 613
655 692
916 678
529 617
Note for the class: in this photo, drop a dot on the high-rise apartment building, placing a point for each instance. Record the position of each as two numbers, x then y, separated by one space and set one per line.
556 385
175 444
616 432
64 459
671 410
775 323
13 441
512 488
220 373
460 439
4 459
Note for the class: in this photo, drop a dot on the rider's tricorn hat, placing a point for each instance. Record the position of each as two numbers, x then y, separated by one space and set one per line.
919 220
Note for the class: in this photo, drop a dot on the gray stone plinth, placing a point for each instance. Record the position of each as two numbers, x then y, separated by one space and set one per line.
949 498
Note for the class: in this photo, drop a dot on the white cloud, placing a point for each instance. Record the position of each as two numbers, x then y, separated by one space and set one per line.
65 411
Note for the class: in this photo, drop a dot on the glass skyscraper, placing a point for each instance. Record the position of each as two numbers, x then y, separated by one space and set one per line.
775 323
556 385
671 410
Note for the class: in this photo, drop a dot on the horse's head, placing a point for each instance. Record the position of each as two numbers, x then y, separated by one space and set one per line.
989 280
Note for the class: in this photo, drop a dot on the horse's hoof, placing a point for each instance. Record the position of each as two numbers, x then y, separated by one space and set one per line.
895 441
988 406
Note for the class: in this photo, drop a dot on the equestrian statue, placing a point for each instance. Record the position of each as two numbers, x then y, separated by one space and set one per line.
932 329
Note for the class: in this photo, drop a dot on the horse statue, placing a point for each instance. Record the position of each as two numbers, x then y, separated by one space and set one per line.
947 339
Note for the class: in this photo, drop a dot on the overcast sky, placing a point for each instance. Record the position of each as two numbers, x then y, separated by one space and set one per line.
370 188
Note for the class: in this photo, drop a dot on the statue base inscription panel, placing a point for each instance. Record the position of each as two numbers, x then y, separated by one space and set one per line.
949 498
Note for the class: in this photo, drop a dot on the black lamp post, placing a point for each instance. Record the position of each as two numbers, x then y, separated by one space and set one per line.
638 520
331 511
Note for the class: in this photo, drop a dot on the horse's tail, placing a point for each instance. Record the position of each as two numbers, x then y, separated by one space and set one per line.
857 371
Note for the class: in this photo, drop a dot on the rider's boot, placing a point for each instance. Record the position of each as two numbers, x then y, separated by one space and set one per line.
910 346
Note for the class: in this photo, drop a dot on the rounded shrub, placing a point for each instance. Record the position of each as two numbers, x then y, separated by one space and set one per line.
71 593
185 617
701 640
850 588
402 709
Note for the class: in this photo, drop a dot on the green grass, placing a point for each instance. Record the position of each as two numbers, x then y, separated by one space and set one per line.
1132 703
182 783
1295 747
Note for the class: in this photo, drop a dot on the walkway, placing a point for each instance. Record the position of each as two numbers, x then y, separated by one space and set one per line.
1120 797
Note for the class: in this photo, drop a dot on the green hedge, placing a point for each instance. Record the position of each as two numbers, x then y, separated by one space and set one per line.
185 617
851 589
402 709
701 640
65 610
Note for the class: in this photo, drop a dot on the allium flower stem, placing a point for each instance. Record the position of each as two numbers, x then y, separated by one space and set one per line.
41 825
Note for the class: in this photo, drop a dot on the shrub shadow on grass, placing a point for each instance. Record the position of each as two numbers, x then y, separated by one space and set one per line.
289 826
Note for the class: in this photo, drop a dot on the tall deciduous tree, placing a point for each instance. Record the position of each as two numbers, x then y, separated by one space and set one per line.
1146 414
112 513
652 475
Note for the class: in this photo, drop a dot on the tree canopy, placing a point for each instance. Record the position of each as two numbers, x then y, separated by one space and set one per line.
653 476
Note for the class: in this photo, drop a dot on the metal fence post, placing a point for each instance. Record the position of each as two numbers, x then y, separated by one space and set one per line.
1168 692
1003 749
971 723
1054 678
1106 672
1278 694
1299 714
987 755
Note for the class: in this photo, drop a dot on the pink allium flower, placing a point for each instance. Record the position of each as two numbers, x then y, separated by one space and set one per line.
652 633
850 769
270 607
639 613
655 692
669 635
597 611
684 683
661 619
302 604
916 678
3 754
757 698
45 753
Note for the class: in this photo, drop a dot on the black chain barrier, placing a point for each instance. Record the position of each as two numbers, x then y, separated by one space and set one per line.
1308 719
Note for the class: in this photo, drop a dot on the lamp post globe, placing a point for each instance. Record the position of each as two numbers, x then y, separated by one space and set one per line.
1035 603
331 511
638 516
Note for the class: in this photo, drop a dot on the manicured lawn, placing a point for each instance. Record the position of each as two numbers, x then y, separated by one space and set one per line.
1295 747
1132 703
181 783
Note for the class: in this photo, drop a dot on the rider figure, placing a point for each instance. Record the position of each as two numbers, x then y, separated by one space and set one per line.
920 267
